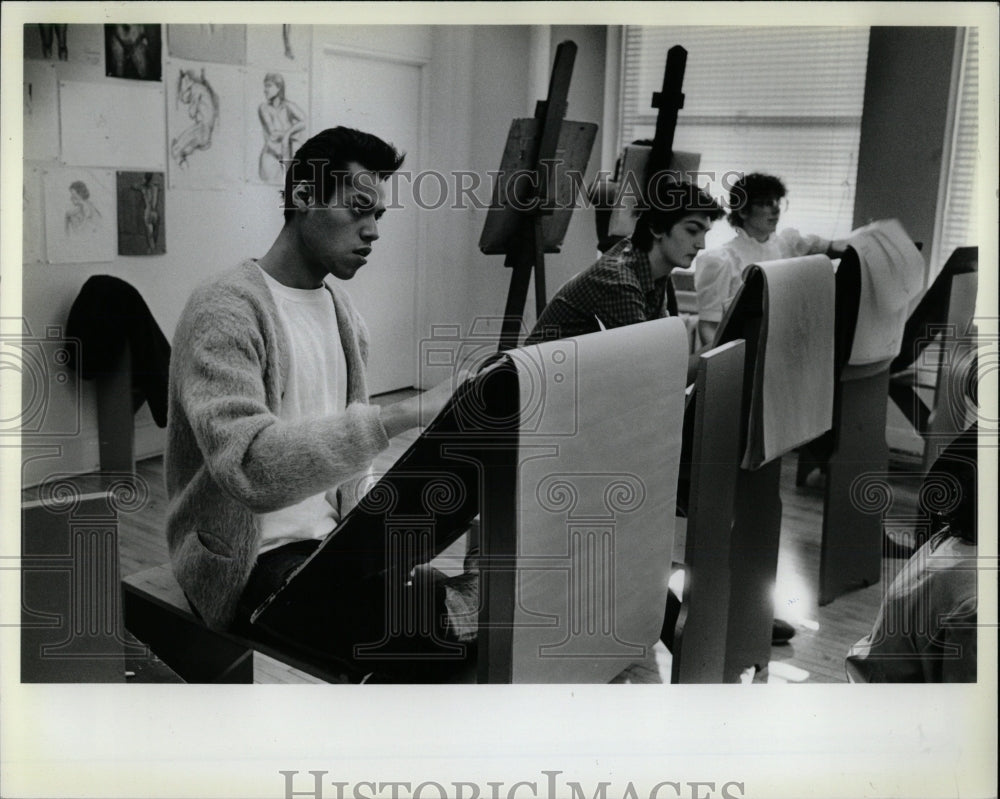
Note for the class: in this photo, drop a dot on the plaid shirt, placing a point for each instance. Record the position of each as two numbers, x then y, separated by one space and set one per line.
616 291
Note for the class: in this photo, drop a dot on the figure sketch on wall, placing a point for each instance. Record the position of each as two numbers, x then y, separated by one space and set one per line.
50 33
282 122
149 191
132 51
140 213
82 218
286 37
76 207
202 103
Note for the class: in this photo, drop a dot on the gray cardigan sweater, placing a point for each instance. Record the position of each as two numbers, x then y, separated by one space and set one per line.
229 456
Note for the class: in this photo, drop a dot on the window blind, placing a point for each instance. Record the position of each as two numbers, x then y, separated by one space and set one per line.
781 100
959 224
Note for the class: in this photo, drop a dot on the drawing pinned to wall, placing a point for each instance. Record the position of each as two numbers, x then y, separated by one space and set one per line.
204 132
132 51
32 250
278 127
220 44
285 47
80 44
79 216
141 213
54 34
112 124
41 114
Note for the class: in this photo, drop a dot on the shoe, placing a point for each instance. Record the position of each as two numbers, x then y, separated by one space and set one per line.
781 632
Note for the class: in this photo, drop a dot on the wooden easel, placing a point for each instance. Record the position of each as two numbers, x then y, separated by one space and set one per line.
669 100
526 249
534 197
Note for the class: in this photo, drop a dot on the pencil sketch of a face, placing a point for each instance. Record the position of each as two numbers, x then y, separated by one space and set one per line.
202 103
281 121
82 217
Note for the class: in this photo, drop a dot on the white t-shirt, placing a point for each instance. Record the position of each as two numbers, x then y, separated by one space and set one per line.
718 273
317 386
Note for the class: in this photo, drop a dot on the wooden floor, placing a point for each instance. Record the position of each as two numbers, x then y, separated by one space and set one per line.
815 655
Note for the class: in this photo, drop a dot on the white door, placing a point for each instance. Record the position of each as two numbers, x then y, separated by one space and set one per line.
382 96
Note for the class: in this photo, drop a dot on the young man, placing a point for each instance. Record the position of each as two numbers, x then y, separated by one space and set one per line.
270 434
630 283
756 202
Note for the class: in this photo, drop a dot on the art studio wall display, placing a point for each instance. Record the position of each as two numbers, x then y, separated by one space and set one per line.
204 129
79 215
218 44
112 124
141 213
80 44
281 47
132 51
276 122
41 111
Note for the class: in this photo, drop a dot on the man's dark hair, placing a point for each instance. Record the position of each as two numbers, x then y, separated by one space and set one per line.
750 189
669 201
323 161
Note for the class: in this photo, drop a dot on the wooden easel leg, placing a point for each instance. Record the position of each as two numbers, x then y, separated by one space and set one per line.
753 569
517 294
857 493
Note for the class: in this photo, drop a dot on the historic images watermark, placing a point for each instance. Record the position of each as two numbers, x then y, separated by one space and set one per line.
547 785
551 187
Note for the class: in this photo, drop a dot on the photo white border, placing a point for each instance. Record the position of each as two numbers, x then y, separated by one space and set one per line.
232 741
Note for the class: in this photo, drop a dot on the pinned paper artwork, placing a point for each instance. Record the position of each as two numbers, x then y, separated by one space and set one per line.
79 216
284 47
112 124
132 51
205 137
141 213
41 112
276 122
80 44
32 250
219 44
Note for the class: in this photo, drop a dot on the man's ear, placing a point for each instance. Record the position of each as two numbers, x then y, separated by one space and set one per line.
302 195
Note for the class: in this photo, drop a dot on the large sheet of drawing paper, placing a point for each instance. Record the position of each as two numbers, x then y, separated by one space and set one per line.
787 308
596 491
893 277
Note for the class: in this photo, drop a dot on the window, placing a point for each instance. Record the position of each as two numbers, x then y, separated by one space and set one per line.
781 100
958 226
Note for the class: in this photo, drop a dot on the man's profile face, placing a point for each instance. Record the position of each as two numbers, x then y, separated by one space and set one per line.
338 236
685 240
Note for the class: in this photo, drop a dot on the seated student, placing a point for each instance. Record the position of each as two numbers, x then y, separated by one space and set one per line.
755 203
630 284
926 626
270 432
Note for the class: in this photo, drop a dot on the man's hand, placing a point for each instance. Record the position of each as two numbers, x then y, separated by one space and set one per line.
420 410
